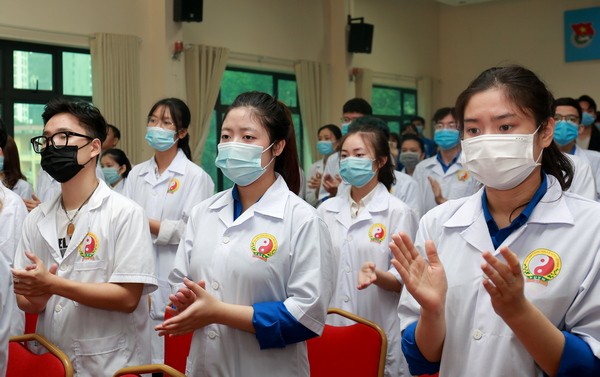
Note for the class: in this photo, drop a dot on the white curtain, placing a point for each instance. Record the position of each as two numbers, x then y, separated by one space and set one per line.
116 87
313 81
204 68
363 86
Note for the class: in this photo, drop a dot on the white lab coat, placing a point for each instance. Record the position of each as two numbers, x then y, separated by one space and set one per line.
583 178
115 232
310 194
406 189
12 216
477 339
120 186
355 241
47 188
593 159
23 188
456 182
301 274
332 167
7 307
168 198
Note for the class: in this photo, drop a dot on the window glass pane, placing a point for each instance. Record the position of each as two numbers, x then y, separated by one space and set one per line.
410 103
32 70
28 123
77 74
287 93
236 82
386 101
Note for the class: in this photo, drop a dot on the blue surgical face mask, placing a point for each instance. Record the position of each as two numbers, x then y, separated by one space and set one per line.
159 138
420 129
345 127
240 162
565 132
111 175
356 171
325 147
587 119
1 163
446 138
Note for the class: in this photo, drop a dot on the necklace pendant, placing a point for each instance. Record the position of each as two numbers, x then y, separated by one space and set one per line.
70 229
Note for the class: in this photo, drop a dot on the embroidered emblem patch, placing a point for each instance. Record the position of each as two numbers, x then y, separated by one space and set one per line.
173 186
462 175
263 246
541 266
377 233
88 247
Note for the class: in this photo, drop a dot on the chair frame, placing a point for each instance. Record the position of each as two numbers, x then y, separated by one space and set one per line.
373 325
52 348
149 368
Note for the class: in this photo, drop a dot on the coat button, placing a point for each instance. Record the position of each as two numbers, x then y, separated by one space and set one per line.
225 239
215 285
212 334
63 267
346 298
477 334
58 308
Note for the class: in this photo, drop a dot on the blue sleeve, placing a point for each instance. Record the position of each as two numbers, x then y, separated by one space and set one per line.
275 326
577 358
417 363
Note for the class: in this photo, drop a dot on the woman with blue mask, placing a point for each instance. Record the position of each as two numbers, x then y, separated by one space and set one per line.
328 137
589 137
167 186
255 269
443 176
115 167
361 221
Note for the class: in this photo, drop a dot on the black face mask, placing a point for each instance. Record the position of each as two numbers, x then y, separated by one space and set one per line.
61 163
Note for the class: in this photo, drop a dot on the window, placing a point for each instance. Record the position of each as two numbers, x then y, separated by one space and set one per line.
239 80
31 75
396 106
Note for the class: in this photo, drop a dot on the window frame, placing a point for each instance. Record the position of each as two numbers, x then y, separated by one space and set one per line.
403 117
10 95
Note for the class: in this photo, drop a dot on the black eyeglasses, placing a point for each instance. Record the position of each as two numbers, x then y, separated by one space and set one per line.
58 140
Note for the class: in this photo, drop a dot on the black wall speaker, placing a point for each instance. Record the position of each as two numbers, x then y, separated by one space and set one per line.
360 38
187 10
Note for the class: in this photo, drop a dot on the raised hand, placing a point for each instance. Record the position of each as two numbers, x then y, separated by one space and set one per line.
35 279
505 283
201 312
424 279
366 275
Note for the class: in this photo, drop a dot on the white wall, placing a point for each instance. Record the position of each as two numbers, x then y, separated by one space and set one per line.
526 32
413 39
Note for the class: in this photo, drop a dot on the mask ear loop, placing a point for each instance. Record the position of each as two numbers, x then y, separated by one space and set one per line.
537 161
266 149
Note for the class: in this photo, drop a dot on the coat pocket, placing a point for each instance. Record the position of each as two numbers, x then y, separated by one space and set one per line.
100 354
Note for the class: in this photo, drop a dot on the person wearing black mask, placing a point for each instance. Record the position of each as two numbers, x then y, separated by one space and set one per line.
98 240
